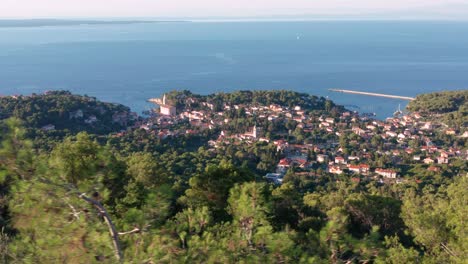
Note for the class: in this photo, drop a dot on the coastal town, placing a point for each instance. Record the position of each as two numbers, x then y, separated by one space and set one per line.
311 144
307 142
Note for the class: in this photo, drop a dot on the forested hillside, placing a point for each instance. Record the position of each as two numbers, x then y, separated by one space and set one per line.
441 102
278 97
62 110
141 197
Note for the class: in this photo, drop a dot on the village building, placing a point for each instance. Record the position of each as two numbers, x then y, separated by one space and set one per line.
330 120
167 109
358 131
387 173
340 160
391 134
335 169
428 161
254 134
284 164
450 132
359 169
442 160
427 126
322 158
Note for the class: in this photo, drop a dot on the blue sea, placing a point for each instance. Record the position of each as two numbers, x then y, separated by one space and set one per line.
130 63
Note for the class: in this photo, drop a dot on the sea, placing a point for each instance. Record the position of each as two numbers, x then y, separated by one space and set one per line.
131 63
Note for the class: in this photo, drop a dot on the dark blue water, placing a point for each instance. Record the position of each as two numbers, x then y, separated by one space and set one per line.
131 63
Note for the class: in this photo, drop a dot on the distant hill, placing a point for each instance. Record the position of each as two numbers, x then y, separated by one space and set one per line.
61 110
60 22
449 106
440 102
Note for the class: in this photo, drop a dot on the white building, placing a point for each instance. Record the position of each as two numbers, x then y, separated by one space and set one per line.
322 158
335 170
386 173
167 109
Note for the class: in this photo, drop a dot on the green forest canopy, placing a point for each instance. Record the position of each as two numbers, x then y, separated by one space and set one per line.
57 108
441 102
89 201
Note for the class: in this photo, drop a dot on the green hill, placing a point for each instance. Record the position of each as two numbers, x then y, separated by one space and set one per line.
65 111
448 106
440 102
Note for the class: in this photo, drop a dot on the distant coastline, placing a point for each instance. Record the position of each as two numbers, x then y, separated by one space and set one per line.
15 23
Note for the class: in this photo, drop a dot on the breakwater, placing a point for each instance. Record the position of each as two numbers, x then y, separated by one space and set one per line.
373 94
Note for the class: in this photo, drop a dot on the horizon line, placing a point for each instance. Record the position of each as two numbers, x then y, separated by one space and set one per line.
241 19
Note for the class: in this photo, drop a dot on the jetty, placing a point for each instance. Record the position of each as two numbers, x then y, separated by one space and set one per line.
373 94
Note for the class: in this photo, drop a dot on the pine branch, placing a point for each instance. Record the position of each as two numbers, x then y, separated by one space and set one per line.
102 210
112 230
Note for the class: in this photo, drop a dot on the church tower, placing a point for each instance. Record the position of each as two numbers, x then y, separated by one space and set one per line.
167 109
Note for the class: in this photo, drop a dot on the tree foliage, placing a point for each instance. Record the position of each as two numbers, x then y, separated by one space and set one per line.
137 198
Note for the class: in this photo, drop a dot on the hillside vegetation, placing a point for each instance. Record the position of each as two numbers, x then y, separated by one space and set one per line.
170 190
64 111
452 105
440 102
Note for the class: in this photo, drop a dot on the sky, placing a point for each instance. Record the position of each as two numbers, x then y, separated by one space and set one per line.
397 9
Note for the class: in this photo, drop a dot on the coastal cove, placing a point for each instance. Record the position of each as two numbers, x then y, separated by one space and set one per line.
131 63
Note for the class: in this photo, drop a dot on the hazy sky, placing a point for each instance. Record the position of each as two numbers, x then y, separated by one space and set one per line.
456 9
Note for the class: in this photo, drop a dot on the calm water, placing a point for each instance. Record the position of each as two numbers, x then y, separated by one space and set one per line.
131 63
